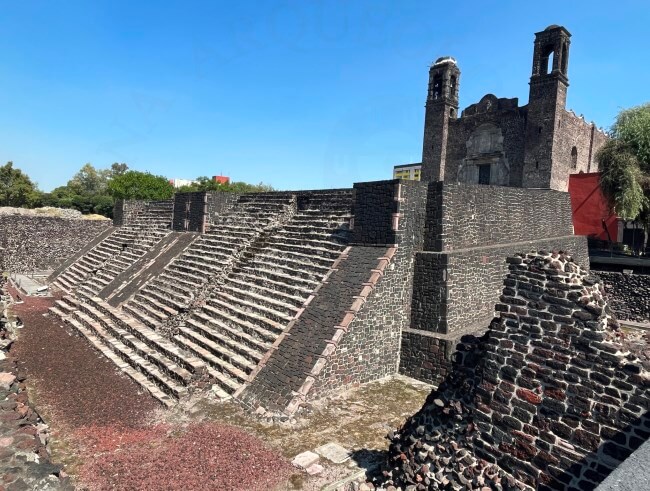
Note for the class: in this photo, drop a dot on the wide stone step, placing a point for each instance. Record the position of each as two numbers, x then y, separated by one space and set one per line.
304 255
271 299
141 314
167 310
165 296
325 244
285 275
86 325
248 346
266 287
193 269
149 337
216 355
248 324
119 334
196 261
251 307
185 277
289 267
65 306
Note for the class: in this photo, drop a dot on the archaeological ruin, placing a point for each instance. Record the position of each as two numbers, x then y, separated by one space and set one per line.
276 299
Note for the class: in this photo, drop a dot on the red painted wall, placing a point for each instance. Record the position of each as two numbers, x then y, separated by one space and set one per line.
590 207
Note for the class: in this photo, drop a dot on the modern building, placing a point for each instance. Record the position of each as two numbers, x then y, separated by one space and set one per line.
410 172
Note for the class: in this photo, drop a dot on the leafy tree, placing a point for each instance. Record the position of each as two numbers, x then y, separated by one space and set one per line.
117 169
140 185
625 165
204 183
16 188
88 181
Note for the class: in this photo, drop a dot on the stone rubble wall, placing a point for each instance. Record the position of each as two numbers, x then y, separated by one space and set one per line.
29 243
628 294
546 399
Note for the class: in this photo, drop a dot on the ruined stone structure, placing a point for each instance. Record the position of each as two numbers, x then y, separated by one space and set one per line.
31 243
629 294
544 400
495 141
275 299
279 298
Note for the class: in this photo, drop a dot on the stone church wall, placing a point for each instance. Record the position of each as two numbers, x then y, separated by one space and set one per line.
510 122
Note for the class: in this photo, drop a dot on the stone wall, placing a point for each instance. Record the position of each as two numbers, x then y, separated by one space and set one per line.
29 243
371 347
124 211
375 208
628 294
461 216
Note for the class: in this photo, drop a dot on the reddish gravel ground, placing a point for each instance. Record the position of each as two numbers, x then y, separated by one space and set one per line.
105 418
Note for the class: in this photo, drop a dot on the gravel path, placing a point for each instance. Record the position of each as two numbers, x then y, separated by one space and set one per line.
106 421
78 385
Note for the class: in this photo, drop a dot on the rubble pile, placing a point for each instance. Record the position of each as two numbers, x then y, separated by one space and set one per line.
31 241
24 457
547 399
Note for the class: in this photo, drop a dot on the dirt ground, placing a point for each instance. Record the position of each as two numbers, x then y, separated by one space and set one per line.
112 435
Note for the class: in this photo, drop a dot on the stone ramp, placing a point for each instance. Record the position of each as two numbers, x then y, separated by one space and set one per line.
295 363
129 282
80 253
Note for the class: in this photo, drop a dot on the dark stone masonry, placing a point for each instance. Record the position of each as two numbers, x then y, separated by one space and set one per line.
629 294
544 400
32 243
496 141
276 299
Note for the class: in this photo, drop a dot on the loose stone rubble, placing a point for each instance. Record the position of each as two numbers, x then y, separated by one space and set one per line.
24 457
541 401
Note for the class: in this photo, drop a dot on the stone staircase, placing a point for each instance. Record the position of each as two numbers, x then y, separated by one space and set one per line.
174 290
117 252
159 366
264 259
265 291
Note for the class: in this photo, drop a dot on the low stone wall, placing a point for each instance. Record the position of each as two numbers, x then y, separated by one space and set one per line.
628 294
29 243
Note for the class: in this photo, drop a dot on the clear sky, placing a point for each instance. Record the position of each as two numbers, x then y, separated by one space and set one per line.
297 94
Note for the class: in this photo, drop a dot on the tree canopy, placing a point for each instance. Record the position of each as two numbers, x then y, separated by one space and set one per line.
140 185
93 190
625 165
16 188
204 183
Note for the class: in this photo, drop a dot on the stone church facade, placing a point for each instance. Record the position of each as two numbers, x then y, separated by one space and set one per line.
498 142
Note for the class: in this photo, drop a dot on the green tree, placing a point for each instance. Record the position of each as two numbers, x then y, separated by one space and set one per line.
89 181
16 188
625 165
204 183
140 185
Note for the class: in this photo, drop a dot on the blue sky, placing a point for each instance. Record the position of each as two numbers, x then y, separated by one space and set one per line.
297 94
